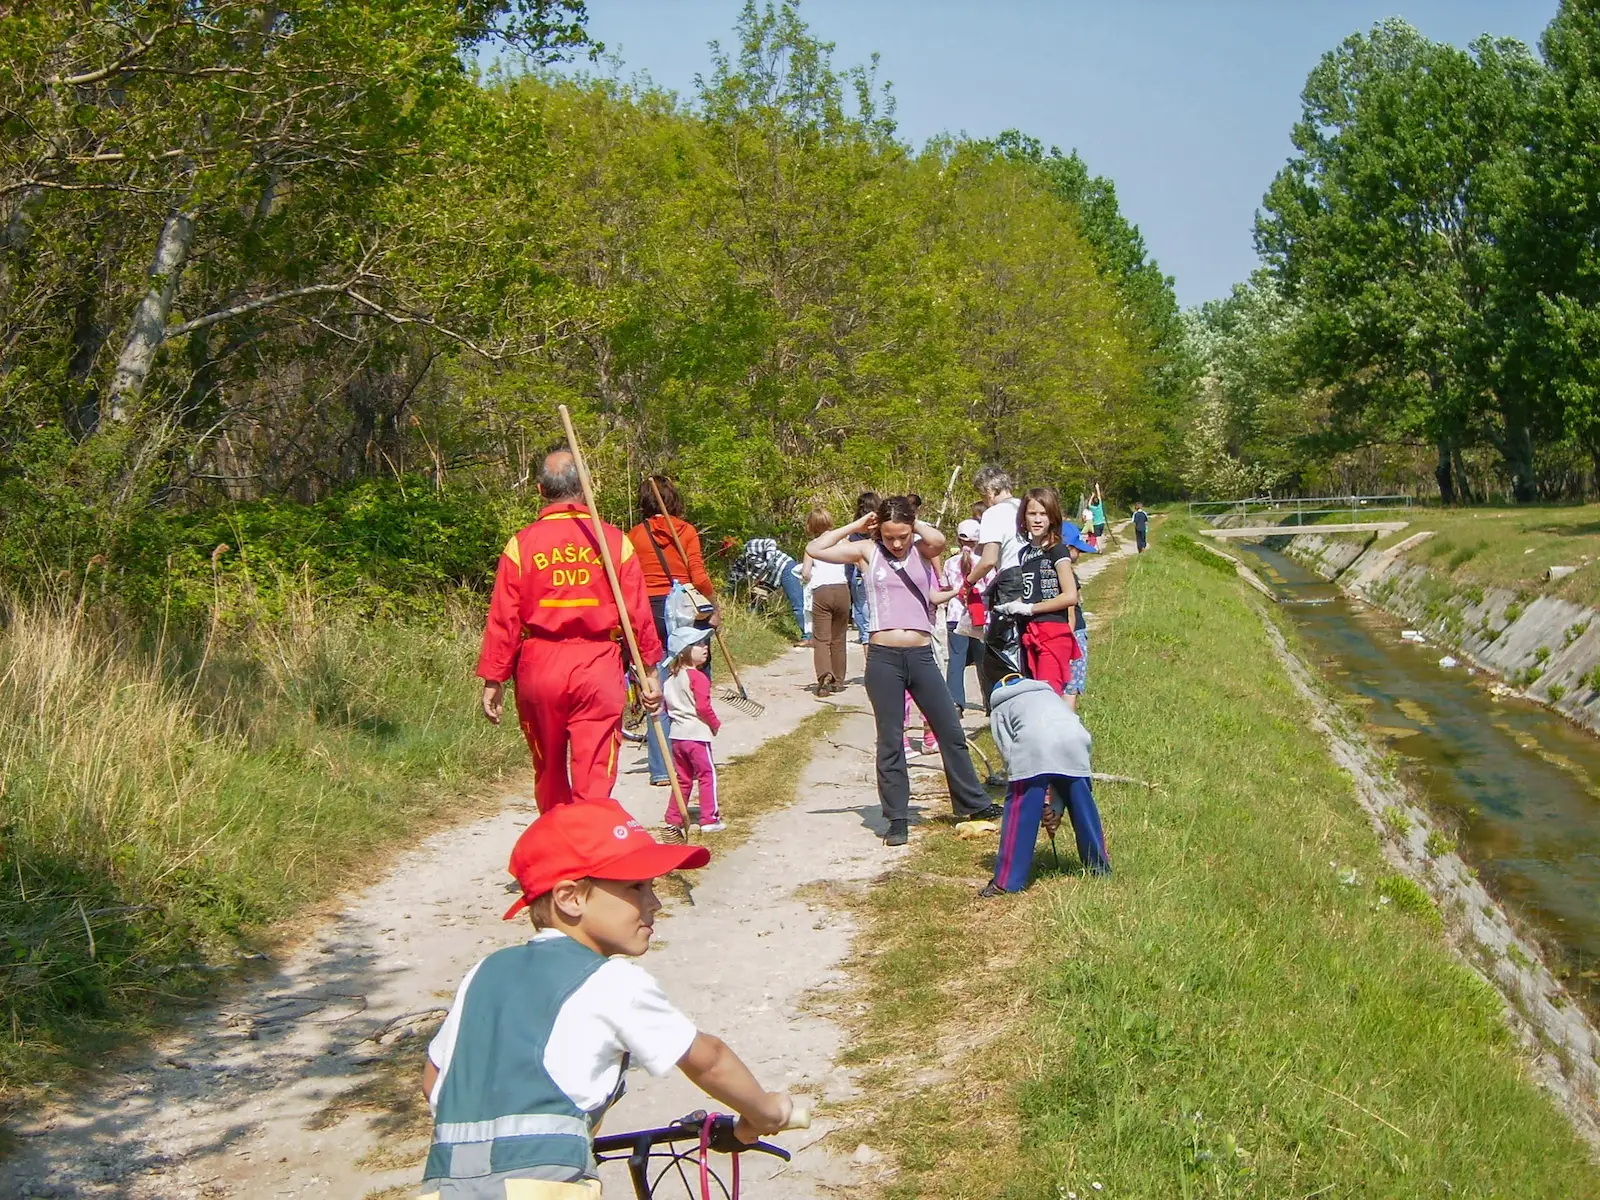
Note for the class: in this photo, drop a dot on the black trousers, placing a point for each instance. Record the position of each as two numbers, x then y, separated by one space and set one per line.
892 671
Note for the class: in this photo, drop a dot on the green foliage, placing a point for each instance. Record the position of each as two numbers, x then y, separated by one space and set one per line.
760 290
1187 546
1573 632
1592 680
1407 895
1438 843
1513 612
1541 655
1556 692
1396 819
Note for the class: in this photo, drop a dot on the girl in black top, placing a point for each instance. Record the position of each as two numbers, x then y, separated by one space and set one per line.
1049 591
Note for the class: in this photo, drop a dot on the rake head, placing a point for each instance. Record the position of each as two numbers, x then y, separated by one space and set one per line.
741 701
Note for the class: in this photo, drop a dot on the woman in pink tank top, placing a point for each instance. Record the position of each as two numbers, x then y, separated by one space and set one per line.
896 560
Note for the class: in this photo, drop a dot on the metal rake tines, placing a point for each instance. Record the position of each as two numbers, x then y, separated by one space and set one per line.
743 703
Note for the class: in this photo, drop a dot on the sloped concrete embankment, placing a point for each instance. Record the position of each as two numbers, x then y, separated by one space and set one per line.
1547 647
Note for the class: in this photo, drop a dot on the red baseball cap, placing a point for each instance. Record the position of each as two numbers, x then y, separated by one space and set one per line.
594 839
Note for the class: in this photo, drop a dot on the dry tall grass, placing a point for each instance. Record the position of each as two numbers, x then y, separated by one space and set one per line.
164 797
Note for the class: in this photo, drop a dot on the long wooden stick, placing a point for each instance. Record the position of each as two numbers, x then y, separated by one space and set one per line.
622 608
672 530
948 488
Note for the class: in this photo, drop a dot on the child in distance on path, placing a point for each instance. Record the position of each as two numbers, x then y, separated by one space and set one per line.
687 697
1046 750
540 1035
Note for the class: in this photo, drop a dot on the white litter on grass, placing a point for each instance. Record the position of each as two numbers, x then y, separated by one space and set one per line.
1412 635
1448 661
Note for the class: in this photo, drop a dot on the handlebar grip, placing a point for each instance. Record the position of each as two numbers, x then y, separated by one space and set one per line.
799 1117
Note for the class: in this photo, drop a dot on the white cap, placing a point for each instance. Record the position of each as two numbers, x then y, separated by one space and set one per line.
968 529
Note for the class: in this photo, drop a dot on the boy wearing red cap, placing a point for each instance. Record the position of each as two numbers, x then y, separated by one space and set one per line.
540 1036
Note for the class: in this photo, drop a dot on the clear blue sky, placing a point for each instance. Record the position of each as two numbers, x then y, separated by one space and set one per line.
1185 104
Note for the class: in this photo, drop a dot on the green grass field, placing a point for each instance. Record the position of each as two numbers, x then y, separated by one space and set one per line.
1511 547
1237 1011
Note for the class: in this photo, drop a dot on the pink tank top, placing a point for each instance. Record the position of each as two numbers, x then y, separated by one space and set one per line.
891 603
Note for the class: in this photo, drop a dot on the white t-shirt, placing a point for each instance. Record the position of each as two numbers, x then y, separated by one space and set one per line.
824 573
618 1010
999 524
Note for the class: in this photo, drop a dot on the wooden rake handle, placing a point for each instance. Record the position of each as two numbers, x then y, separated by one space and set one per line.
616 594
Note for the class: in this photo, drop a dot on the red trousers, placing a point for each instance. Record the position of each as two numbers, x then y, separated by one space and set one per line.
1050 647
570 696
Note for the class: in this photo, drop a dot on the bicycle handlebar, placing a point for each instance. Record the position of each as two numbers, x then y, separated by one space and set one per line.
689 1128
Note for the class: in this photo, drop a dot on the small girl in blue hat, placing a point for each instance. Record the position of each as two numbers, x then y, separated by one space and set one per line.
686 695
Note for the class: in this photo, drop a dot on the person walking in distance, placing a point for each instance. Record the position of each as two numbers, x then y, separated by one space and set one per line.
1097 516
656 540
554 625
902 585
687 698
1141 526
1000 546
830 609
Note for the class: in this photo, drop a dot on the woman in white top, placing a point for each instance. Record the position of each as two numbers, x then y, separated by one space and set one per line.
830 610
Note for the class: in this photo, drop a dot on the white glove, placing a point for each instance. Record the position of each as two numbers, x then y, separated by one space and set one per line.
1015 608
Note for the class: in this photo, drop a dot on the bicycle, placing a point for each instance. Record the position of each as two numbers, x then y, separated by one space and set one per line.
709 1131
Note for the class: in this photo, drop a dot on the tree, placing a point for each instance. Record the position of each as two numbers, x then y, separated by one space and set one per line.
1380 229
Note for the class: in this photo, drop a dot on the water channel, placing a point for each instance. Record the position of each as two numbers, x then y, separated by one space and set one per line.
1517 785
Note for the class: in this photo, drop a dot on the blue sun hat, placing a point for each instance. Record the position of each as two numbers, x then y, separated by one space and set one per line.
1072 536
685 636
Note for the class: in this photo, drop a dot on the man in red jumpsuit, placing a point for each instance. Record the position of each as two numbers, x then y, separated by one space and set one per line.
554 623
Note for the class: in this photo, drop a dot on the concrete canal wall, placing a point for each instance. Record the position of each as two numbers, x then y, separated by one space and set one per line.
1547 648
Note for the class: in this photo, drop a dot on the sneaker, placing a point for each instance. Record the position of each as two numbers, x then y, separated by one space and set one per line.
716 826
912 749
899 833
673 835
989 891
930 744
992 813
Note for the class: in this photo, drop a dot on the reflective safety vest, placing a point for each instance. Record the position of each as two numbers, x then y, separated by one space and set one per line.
498 1108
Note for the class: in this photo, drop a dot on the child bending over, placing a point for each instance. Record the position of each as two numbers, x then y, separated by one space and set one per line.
1046 749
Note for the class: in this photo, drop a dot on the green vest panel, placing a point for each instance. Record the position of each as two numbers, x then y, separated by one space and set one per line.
499 1110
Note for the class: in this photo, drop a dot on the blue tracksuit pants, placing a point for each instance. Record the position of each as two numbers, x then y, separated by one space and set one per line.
1019 828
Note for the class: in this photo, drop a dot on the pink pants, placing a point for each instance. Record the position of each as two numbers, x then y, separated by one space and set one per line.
693 761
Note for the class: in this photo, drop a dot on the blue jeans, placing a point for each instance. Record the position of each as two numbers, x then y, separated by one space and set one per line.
858 601
963 650
794 591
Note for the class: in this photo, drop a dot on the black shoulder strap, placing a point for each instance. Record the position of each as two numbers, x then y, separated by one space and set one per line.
905 576
655 545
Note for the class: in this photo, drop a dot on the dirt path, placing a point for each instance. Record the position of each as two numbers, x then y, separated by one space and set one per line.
228 1106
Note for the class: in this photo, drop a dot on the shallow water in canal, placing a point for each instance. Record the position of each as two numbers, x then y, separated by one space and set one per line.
1518 785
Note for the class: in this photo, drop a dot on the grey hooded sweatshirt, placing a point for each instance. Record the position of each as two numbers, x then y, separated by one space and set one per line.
1036 731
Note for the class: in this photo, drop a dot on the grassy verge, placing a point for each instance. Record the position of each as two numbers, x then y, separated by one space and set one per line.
1509 547
164 809
749 788
1236 1012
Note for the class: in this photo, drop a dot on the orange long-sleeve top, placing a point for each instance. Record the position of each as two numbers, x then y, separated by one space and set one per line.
655 529
551 584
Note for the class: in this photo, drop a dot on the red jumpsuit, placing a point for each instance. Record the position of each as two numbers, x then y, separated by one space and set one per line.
554 623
